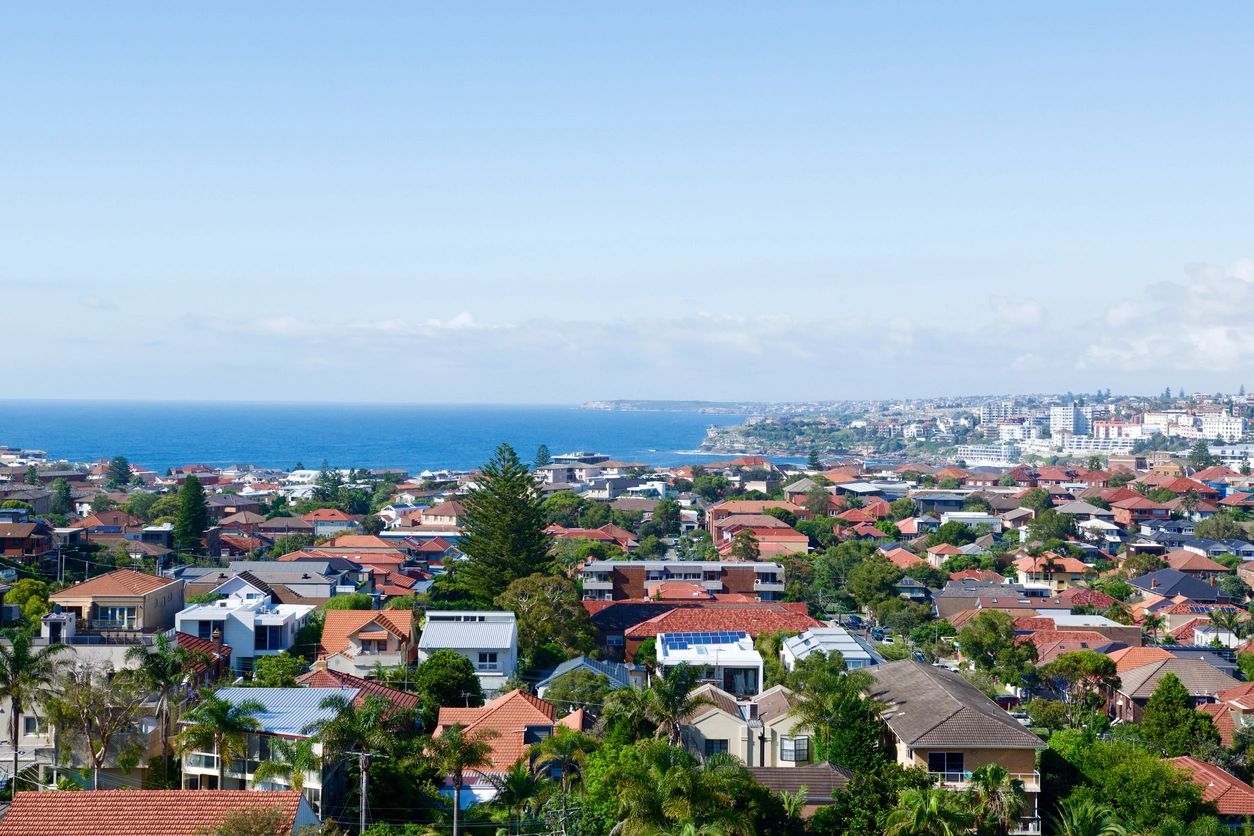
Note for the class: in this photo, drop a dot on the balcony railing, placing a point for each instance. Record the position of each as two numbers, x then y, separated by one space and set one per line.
961 780
1027 826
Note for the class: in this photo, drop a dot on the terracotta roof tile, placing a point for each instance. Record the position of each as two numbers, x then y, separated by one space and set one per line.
1134 657
1221 715
340 624
325 678
117 582
508 715
754 620
1230 795
136 812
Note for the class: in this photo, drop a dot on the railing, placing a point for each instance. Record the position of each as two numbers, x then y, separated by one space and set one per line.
961 780
201 760
1028 826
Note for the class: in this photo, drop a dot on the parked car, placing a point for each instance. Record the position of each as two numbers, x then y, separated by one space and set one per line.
877 633
854 621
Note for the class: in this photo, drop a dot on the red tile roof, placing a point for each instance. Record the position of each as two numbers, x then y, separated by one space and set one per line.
1231 795
1187 561
976 575
340 624
118 582
1080 597
326 678
326 515
752 619
902 558
508 715
1221 715
137 812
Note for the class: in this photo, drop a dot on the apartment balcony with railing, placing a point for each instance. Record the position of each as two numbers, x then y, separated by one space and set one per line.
962 780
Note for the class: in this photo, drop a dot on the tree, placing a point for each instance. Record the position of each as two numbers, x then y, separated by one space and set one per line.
62 497
874 580
989 642
542 457
845 724
221 727
503 535
1037 499
1143 563
1080 816
102 502
96 711
782 514
859 808
901 509
288 763
818 501
1200 456
745 546
162 671
373 725
1080 679
454 753
1220 527
1051 525
446 678
998 799
564 508
519 789
1170 721
119 473
549 611
565 750
814 462
666 519
954 533
934 811
24 678
30 596
351 601
288 543
192 519
671 702
277 671
580 688
252 821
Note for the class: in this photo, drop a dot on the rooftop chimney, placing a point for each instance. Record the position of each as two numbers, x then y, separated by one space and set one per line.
1153 583
217 639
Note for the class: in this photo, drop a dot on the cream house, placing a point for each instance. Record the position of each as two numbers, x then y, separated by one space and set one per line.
759 731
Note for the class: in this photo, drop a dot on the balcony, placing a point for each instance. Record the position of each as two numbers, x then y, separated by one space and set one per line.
962 780
1028 826
768 586
600 583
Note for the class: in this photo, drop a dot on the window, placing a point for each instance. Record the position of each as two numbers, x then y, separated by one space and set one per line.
34 726
204 629
794 749
118 618
949 764
374 645
614 641
269 637
715 747
487 661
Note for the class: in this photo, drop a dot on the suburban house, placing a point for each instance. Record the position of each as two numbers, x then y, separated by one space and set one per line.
249 621
1050 572
488 639
616 580
937 720
358 641
1202 680
727 660
1170 583
519 721
857 653
1197 565
758 731
617 674
752 618
1232 797
818 781
289 714
25 541
330 521
122 600
149 812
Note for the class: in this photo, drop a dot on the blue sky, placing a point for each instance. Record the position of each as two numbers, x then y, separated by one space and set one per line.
553 203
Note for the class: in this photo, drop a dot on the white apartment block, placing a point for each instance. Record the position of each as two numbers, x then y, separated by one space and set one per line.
1074 419
997 455
1219 426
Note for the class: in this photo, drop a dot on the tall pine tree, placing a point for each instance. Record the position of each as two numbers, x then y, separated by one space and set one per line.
542 456
503 533
192 518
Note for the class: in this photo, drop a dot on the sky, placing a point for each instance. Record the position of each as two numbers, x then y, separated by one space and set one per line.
552 203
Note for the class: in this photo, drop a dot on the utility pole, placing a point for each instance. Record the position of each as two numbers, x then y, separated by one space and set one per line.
361 805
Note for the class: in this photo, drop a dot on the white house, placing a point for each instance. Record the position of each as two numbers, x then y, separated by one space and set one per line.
856 652
725 659
488 639
247 620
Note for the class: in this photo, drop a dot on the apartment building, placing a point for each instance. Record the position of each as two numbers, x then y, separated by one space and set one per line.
617 580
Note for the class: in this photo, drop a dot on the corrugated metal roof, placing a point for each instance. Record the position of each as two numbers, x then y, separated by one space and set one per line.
288 710
467 635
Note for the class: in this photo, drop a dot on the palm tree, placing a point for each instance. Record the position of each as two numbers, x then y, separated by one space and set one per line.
454 752
518 789
222 726
289 761
689 829
1152 623
163 670
997 797
673 790
374 725
671 702
1085 817
631 708
794 802
23 677
928 812
1226 619
564 750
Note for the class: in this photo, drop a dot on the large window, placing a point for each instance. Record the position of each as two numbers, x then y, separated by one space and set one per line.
204 629
115 618
269 637
487 661
949 764
794 749
715 747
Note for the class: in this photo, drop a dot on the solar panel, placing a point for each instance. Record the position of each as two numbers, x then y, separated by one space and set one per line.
682 641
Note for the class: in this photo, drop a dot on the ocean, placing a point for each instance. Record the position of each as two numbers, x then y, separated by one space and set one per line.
160 435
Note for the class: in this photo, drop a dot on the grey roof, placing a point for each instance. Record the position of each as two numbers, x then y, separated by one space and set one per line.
831 640
468 635
1077 506
616 672
930 707
1198 676
289 711
1172 582
820 780
802 486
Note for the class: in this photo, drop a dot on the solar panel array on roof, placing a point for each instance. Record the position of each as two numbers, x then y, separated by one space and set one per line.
682 641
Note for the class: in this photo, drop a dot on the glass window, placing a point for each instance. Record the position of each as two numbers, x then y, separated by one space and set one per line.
715 747
487 661
794 749
269 637
950 764
34 725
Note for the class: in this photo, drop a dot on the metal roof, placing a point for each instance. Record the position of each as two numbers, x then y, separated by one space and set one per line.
468 635
289 711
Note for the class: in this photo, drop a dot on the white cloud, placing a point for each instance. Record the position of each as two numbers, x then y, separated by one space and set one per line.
1024 313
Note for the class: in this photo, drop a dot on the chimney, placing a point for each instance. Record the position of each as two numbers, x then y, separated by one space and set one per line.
1153 583
320 664
217 639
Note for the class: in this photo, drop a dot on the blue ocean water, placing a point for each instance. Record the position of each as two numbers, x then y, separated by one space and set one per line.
162 435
